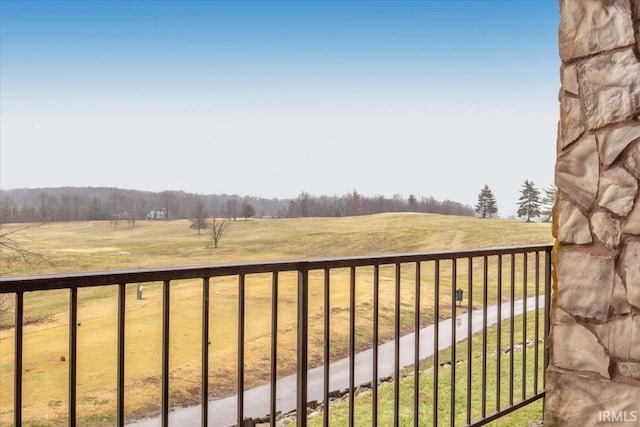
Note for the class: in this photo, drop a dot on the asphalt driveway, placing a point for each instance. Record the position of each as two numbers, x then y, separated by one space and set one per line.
256 400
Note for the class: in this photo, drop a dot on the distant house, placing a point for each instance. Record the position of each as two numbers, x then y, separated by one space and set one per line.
157 214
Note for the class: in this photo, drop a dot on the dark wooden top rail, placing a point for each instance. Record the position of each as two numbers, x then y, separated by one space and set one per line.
11 284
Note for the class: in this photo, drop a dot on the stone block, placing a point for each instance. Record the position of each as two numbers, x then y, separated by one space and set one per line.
635 12
570 79
632 160
571 124
613 142
619 301
561 317
573 400
610 87
577 172
630 259
617 191
632 224
621 337
606 228
576 348
588 27
573 226
585 283
628 369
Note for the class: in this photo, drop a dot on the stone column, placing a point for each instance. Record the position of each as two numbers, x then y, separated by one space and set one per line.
594 372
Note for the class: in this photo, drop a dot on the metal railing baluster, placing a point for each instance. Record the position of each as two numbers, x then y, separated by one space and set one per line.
416 358
122 300
499 336
537 325
469 334
274 350
166 298
204 387
327 346
240 385
73 354
511 326
376 318
485 305
302 358
436 337
18 359
524 324
454 341
396 368
352 345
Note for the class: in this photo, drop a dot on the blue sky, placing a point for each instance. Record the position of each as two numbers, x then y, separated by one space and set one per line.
434 98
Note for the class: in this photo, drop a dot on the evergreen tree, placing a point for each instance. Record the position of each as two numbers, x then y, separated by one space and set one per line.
412 203
247 210
548 201
487 205
529 202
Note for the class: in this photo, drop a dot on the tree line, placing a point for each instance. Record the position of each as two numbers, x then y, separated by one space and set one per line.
353 203
531 203
122 206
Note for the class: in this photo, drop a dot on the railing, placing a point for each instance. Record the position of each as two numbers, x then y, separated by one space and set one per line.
424 289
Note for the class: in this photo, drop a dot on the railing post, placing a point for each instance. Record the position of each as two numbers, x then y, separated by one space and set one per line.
525 274
469 334
73 353
122 298
352 345
436 338
274 348
452 395
512 326
376 326
303 332
327 344
396 345
499 336
241 324
17 372
166 299
416 361
485 305
204 422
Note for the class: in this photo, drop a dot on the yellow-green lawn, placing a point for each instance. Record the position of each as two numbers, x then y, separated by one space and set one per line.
90 246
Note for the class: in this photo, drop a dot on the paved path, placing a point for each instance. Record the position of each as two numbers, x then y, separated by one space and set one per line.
223 412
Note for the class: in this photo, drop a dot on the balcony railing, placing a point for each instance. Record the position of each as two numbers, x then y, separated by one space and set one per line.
470 324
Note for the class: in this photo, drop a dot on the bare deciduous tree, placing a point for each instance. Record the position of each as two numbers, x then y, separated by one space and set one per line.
232 209
199 217
10 245
43 204
218 227
117 201
136 207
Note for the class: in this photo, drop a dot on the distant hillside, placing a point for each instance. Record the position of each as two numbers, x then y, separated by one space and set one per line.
107 203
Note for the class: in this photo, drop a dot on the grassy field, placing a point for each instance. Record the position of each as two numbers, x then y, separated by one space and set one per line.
86 246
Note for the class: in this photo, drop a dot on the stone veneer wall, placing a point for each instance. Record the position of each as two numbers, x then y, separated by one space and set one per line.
594 372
